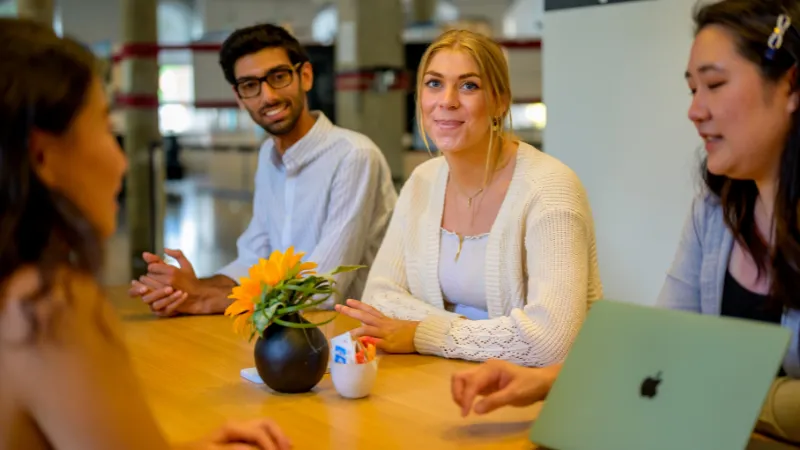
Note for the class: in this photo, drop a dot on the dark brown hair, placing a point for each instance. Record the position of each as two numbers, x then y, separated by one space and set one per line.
44 82
253 39
752 22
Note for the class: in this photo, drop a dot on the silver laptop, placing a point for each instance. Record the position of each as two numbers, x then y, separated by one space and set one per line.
642 378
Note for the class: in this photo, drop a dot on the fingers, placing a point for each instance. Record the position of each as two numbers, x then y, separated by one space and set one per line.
151 283
457 384
277 434
497 399
137 289
178 255
361 306
262 434
163 302
158 294
151 258
234 447
161 269
358 314
482 380
172 309
162 280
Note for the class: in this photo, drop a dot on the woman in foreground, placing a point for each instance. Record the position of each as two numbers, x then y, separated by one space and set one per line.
491 249
67 381
739 255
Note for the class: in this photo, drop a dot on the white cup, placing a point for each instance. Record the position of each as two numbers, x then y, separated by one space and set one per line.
354 380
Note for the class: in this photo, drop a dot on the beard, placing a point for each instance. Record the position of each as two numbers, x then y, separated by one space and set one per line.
295 106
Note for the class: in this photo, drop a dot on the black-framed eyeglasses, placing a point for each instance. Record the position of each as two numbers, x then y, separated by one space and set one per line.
277 78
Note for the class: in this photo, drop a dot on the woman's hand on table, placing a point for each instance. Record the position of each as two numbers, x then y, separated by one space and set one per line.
501 383
392 335
259 434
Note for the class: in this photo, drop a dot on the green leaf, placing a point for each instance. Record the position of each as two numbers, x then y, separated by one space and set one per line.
295 308
261 322
304 325
270 311
343 269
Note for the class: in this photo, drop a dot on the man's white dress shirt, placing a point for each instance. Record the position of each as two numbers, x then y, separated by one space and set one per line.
330 195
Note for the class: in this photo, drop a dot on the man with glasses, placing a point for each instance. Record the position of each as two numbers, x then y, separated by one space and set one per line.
325 190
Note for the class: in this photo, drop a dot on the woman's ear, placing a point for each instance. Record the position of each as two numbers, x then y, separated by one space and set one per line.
502 106
794 102
41 145
794 94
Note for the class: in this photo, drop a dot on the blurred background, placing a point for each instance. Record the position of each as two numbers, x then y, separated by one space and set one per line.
597 83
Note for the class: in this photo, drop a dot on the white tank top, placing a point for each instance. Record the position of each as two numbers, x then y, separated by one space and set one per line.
463 280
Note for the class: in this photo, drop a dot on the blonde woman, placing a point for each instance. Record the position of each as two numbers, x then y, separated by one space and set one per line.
491 249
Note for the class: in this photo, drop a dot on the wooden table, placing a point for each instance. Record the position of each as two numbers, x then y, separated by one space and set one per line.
189 367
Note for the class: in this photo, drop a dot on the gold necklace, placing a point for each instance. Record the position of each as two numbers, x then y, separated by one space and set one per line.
480 191
469 199
469 204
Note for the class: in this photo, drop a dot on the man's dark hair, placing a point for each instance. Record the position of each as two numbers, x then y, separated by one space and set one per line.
246 41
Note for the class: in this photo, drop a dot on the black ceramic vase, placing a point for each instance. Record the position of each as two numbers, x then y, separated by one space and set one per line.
291 360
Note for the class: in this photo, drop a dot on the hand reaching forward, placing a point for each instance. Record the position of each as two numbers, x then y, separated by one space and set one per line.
259 434
392 335
501 383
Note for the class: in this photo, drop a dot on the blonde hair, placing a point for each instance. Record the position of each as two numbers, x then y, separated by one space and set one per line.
493 70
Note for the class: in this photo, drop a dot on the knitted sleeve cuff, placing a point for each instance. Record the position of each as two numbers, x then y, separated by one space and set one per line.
431 332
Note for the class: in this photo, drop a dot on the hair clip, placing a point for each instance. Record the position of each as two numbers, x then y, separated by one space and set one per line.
775 41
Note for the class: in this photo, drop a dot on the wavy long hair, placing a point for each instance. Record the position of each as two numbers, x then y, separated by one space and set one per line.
44 83
752 22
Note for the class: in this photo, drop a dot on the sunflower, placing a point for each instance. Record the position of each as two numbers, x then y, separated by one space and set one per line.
270 290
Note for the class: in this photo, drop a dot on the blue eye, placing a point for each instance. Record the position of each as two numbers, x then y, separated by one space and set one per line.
470 86
433 84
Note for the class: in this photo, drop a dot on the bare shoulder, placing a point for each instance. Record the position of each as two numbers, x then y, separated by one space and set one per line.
31 303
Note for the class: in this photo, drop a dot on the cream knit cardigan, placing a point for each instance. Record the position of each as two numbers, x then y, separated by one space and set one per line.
541 266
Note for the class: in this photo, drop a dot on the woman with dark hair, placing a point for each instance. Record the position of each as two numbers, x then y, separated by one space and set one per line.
67 381
739 255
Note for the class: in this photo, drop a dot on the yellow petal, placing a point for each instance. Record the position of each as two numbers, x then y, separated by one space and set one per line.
239 307
272 274
306 269
241 324
276 256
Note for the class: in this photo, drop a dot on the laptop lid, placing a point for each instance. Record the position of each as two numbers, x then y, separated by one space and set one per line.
639 377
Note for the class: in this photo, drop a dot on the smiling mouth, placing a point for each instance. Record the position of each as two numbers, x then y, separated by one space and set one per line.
448 124
274 111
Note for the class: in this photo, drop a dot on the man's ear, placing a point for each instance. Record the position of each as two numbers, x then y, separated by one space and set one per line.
306 76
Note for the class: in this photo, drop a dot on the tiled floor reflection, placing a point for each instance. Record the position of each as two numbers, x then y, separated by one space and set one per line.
201 223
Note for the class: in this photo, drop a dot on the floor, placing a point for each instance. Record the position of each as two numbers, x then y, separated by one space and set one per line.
204 223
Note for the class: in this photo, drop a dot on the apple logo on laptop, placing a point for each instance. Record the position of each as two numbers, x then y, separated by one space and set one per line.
649 388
